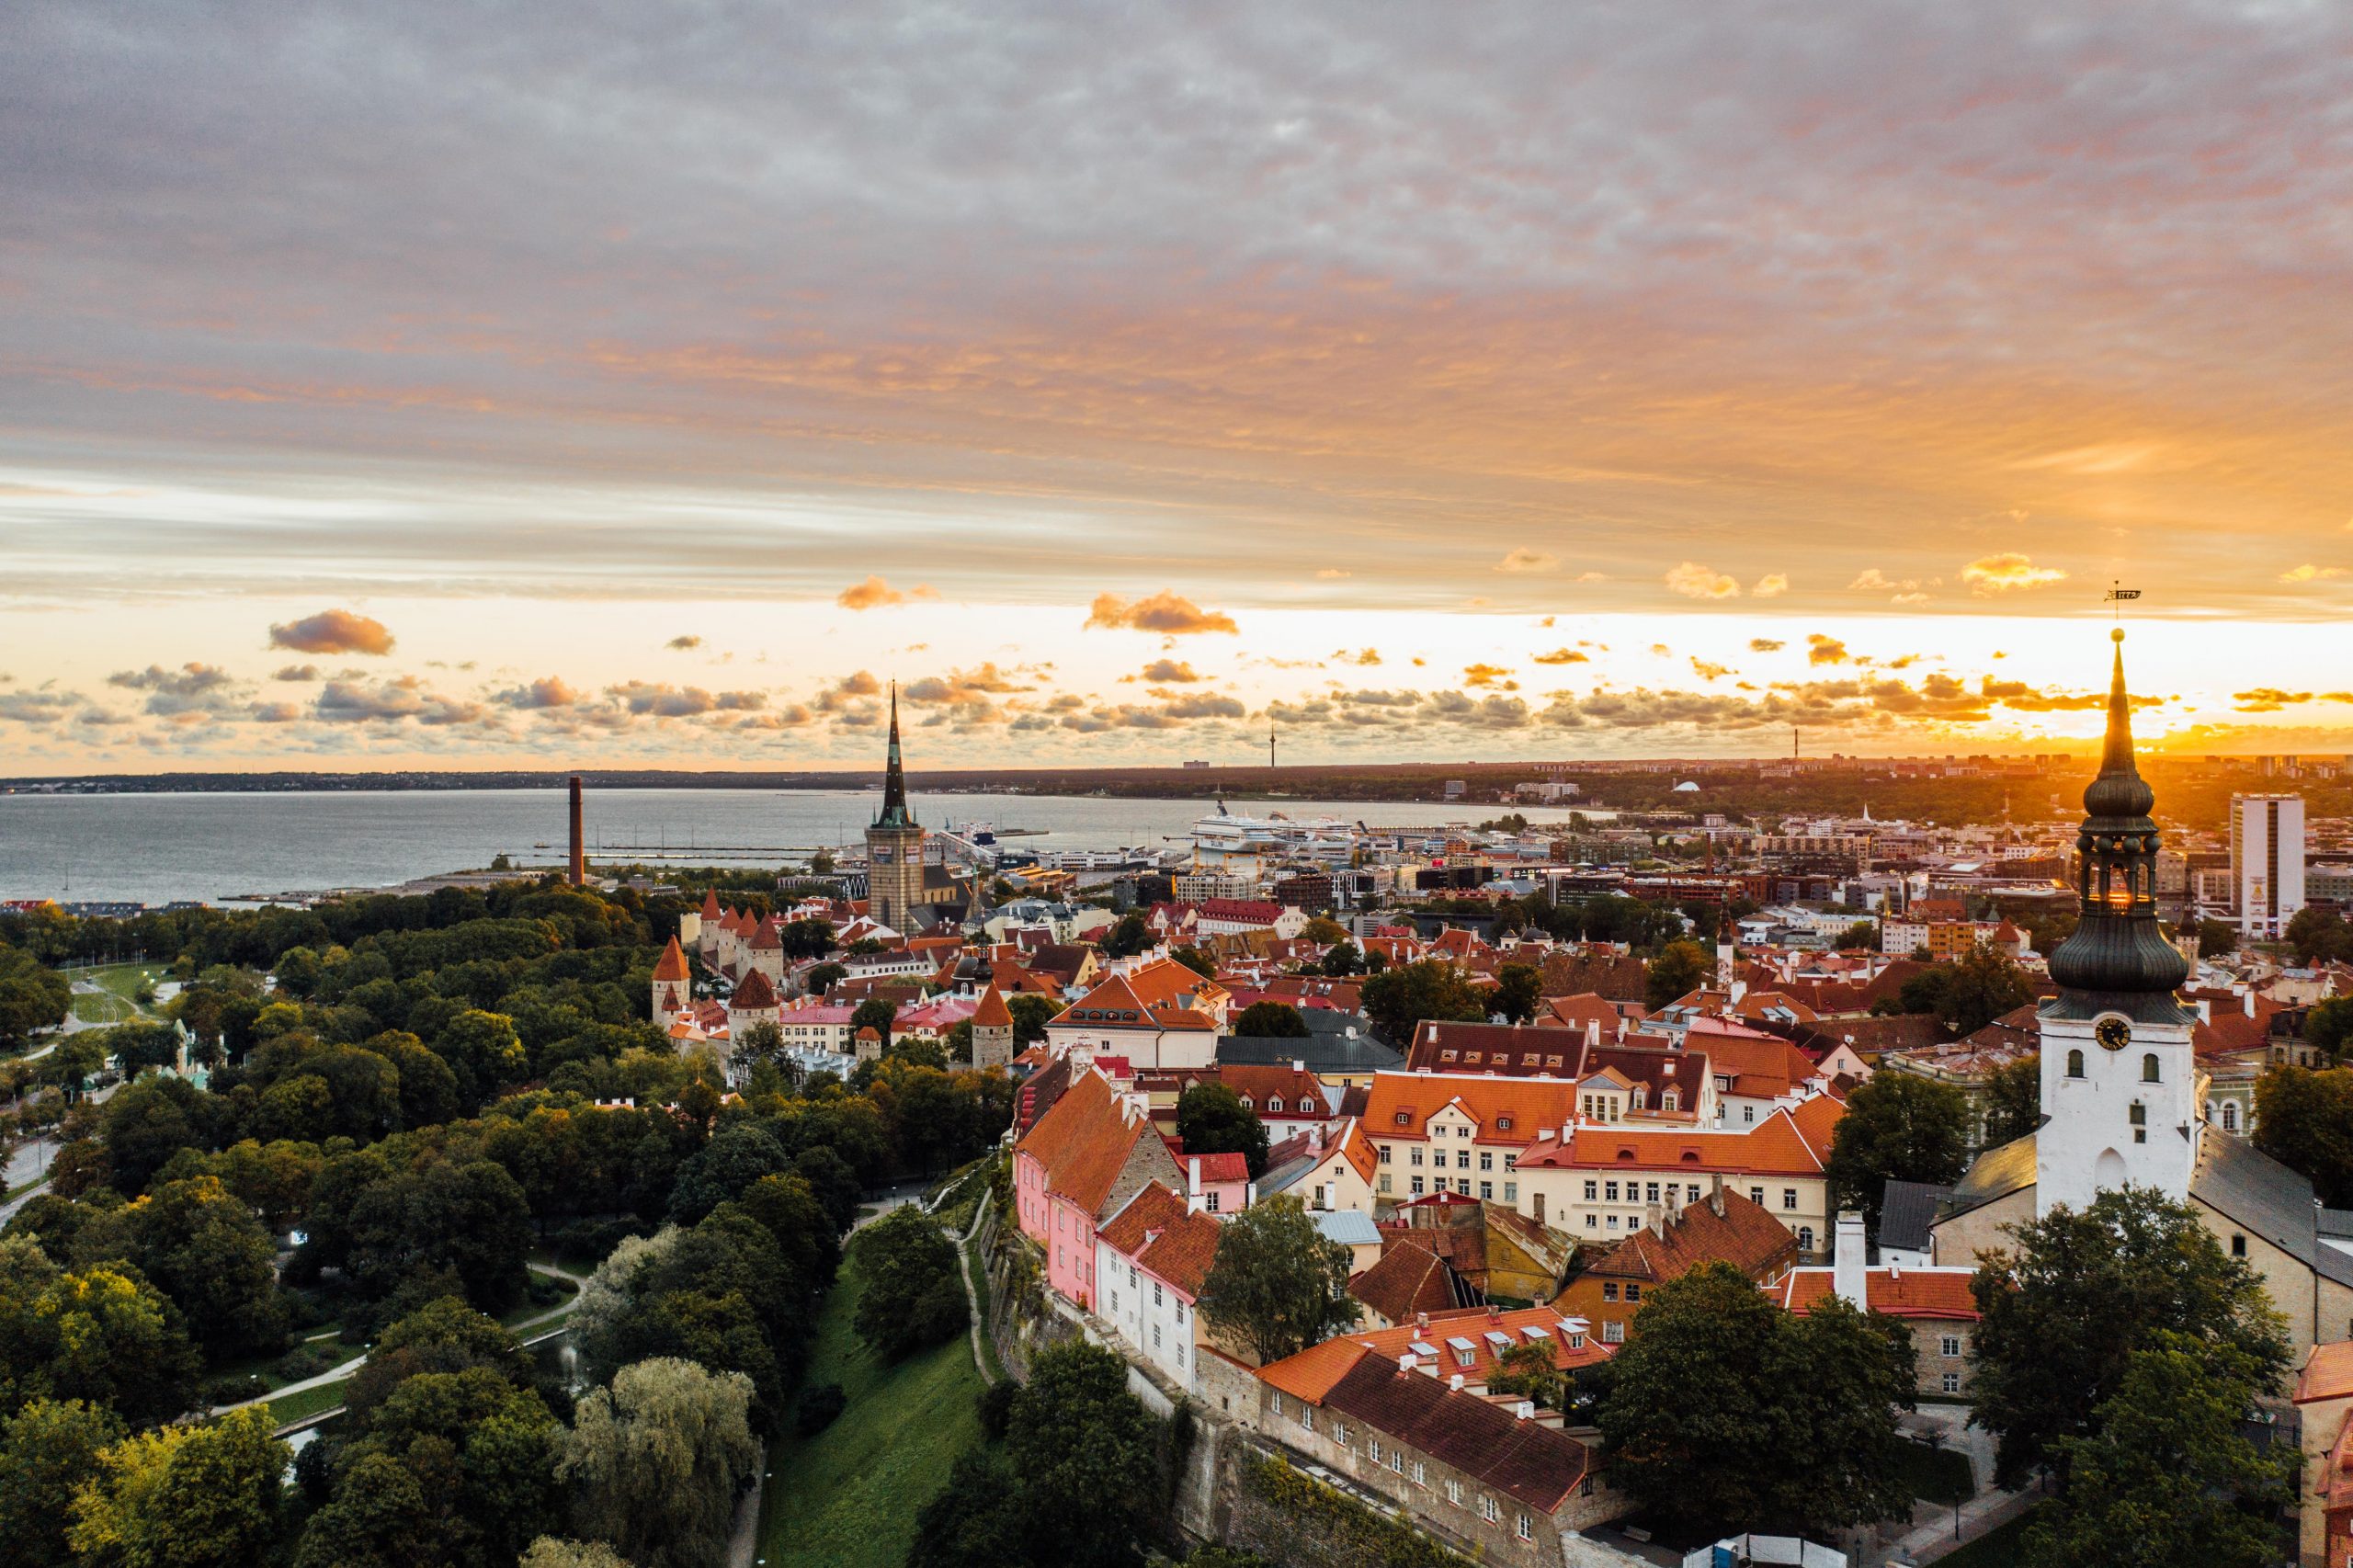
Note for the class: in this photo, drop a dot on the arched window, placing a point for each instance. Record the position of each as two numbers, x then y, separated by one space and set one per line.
1805 1238
2230 1116
2149 1073
2075 1064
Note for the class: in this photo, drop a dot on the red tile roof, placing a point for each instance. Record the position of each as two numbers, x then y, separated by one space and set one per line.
1083 1141
1788 1142
1532 1462
753 994
1745 1236
1898 1292
1507 1110
673 963
991 1013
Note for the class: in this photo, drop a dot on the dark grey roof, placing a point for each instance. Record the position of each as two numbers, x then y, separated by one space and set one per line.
1332 1021
2243 1184
1996 1173
1906 1209
2336 1222
1323 1053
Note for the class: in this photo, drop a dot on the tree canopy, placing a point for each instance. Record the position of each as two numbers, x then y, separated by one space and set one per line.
2064 1309
914 1293
2304 1120
1211 1119
1277 1285
1679 969
655 1459
1898 1127
1398 999
1270 1020
1728 1413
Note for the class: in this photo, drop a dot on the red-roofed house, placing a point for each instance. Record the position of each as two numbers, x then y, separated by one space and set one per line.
1082 1162
1219 1184
1936 1304
2323 1398
1598 1181
1151 1257
1156 1014
1459 1132
1223 916
1404 1412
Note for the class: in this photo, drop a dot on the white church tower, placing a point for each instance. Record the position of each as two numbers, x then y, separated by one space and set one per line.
2121 1094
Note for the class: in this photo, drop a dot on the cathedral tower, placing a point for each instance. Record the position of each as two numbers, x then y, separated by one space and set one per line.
2119 1091
894 846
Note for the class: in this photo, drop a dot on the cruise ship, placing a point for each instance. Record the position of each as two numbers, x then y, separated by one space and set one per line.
1228 834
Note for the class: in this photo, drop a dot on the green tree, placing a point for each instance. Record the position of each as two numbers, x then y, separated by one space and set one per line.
762 1041
483 1052
2304 1120
1129 937
1728 1413
1969 992
877 1015
552 1551
2216 938
1398 999
1898 1127
2063 1312
654 1461
2167 1474
1277 1285
1323 929
1862 936
1344 958
980 1519
1089 1457
2012 1100
1519 993
1211 1119
32 997
47 1449
101 1333
914 1292
1269 1020
735 1157
1679 969
1199 961
2320 936
2328 1026
195 1496
204 1249
1030 1016
1530 1371
825 977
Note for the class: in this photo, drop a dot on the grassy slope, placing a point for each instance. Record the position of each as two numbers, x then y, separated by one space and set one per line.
848 1497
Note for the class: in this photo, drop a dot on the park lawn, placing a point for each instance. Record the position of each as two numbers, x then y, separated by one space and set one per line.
2002 1547
848 1497
310 1401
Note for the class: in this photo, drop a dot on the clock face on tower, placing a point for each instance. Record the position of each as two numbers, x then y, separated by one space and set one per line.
2113 1032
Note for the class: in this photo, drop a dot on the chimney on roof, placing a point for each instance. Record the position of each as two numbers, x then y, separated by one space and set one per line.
1454 1384
1525 1410
2250 1003
1405 1362
1653 1216
1716 1193
1849 1267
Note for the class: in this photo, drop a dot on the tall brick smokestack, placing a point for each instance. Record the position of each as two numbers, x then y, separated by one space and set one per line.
579 846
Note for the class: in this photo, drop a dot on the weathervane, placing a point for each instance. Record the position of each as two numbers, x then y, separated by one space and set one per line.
2117 595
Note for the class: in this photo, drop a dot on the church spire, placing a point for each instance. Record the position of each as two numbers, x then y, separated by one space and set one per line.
894 778
2117 949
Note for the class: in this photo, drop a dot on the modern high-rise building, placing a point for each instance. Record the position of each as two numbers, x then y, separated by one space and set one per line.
2267 862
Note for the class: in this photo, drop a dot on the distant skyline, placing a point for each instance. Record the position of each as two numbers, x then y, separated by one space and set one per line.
382 390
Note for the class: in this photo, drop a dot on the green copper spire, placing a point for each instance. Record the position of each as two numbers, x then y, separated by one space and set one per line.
2117 949
894 778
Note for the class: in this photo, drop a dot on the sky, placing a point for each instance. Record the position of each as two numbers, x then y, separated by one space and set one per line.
611 385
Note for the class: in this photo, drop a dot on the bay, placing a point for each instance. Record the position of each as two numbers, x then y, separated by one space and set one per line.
155 848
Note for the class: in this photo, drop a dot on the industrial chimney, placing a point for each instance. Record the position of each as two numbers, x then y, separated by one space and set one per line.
579 848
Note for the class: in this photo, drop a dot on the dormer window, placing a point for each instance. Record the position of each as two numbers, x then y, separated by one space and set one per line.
1503 1124
1274 1102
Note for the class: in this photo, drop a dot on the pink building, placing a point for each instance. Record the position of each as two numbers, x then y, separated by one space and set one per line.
1219 1182
1081 1164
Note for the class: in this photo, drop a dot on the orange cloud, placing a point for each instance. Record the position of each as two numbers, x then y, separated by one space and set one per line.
1528 561
1563 656
876 593
1165 611
2000 573
333 632
1694 581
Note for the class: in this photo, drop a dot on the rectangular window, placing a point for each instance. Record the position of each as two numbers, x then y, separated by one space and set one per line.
1463 1159
1375 1450
1591 1221
1155 1336
1511 1162
1511 1192
1613 1221
1592 1191
1789 1198
1609 1191
1384 1154
1633 1291
1650 1192
1486 1160
1613 1334
1525 1528
1487 1190
1950 1345
1212 1200
1691 1193
1414 1157
1952 1383
1384 1182
1487 1509
1417 1186
1610 1289
1421 1473
1757 1196
1454 1492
